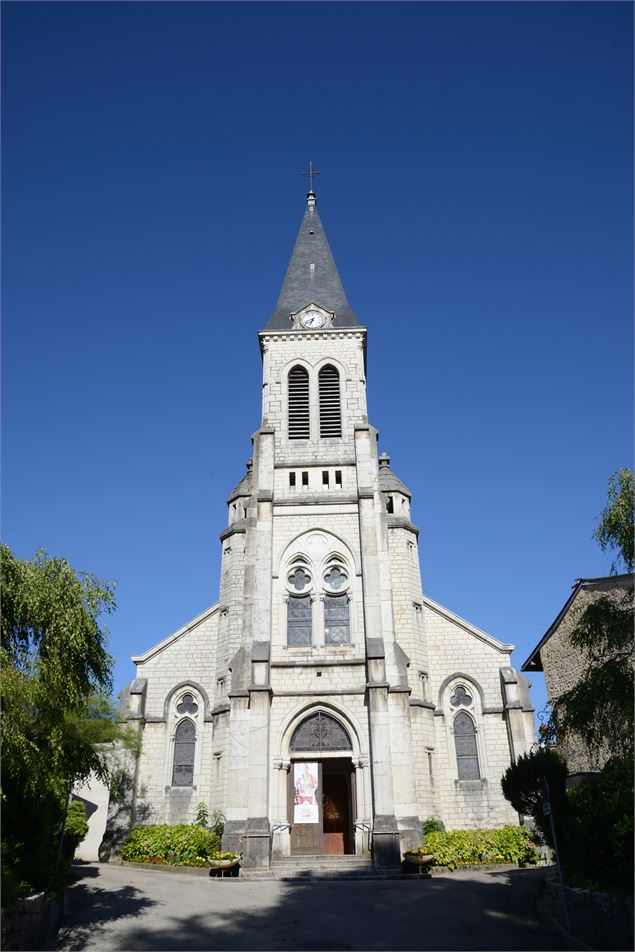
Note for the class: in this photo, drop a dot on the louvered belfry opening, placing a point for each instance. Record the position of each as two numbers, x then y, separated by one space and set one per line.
299 428
330 404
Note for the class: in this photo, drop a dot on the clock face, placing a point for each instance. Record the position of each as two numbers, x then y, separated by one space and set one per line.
312 319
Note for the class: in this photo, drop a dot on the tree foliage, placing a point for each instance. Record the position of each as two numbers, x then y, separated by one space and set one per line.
616 527
56 677
522 785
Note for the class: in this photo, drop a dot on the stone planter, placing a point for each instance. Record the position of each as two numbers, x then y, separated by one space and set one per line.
422 860
223 863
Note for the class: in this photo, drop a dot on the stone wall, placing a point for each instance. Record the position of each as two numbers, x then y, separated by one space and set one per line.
601 920
31 924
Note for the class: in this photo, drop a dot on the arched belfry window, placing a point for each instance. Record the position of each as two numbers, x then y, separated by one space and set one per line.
330 402
184 747
299 426
320 732
466 751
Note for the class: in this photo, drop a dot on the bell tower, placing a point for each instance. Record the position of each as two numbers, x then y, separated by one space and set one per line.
306 589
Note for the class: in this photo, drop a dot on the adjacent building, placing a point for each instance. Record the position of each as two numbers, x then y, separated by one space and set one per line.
564 664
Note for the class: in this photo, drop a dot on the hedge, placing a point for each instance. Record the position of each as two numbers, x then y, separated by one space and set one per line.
181 845
511 844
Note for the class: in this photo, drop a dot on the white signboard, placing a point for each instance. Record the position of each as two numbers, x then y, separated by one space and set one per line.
305 801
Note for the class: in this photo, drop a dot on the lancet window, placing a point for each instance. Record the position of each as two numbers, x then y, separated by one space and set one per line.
466 750
184 749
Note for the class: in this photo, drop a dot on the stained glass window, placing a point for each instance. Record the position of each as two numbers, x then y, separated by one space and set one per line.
187 705
299 579
460 698
299 617
465 743
337 629
320 732
184 744
335 578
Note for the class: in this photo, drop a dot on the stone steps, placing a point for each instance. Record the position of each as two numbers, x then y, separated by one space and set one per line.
319 867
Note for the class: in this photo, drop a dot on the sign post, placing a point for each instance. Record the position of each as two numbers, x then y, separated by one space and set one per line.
547 811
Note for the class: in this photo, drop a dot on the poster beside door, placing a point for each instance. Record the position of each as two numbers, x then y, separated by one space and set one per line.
305 786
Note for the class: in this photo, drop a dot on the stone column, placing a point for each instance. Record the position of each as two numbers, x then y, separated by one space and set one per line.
386 847
257 836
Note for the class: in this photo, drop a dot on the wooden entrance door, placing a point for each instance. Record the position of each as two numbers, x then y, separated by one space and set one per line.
335 809
306 836
332 833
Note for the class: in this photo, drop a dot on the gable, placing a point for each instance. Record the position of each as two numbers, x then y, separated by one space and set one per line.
189 626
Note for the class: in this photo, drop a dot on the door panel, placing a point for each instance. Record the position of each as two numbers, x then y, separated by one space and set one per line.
335 812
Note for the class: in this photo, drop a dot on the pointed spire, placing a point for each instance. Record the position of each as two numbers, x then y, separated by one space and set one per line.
312 276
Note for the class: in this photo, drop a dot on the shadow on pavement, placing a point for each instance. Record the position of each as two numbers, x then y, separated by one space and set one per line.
90 909
493 911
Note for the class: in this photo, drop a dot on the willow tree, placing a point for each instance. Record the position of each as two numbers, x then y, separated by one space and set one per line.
56 677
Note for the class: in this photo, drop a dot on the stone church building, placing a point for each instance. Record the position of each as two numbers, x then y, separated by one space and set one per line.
324 704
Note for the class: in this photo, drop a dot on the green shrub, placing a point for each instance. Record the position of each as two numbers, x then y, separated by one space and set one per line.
76 822
432 825
511 844
217 822
597 845
201 817
181 845
75 828
522 785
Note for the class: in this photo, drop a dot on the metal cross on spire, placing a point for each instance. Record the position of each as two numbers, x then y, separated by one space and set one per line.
311 172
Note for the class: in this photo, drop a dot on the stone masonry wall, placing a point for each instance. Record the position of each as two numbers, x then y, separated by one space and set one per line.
564 665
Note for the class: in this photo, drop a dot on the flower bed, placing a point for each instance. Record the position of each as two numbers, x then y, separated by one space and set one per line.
181 845
511 844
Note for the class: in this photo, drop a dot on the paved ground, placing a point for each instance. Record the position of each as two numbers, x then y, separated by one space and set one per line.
113 907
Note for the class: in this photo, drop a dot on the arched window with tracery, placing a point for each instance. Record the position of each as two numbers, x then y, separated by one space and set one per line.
466 749
330 402
299 419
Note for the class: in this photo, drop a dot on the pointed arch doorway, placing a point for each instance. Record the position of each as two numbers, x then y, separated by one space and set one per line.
321 787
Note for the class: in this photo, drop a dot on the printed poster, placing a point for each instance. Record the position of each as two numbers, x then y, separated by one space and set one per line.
305 802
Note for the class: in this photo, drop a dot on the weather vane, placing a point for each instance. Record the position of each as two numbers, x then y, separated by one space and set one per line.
311 172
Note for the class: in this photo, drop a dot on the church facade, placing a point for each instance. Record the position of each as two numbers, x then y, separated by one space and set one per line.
324 704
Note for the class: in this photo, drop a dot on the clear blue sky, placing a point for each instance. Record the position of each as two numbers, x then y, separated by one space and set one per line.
476 189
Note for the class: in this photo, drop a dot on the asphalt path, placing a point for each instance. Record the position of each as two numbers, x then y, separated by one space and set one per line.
115 907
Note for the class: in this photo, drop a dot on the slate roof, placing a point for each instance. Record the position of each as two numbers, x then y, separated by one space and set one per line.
388 482
305 285
244 487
